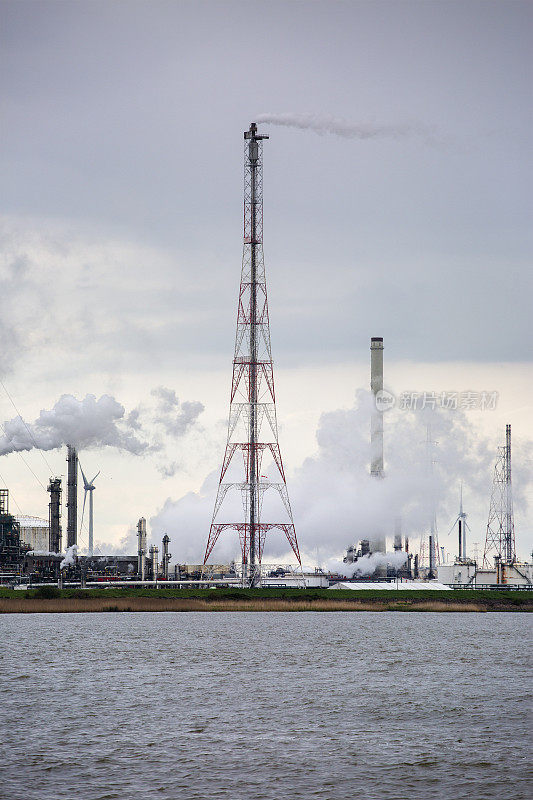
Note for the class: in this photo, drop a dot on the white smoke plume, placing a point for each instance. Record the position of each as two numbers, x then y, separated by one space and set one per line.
336 502
340 127
103 422
70 557
367 565
81 423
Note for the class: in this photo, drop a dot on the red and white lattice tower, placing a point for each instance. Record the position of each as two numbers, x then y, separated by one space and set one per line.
252 427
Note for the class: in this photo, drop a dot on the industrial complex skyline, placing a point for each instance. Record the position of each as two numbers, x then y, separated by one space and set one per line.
121 221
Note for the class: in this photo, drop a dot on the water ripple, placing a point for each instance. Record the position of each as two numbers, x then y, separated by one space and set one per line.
186 705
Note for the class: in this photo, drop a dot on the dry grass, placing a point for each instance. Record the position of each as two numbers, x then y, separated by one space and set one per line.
33 605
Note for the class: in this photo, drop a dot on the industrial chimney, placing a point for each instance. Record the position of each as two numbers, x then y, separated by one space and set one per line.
72 496
376 425
378 542
431 573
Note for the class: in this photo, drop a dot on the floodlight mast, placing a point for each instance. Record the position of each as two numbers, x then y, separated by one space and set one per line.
252 392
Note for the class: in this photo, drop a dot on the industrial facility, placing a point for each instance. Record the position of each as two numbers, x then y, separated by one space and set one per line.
34 550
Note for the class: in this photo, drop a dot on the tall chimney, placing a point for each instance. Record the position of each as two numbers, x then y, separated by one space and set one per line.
376 425
431 573
378 543
72 496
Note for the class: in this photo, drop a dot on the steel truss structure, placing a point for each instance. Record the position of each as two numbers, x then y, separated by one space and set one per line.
500 538
252 426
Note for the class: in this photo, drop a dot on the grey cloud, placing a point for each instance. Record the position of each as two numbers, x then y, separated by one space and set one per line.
175 418
169 470
435 243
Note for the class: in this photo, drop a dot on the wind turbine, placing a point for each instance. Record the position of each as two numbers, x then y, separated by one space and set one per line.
463 527
89 487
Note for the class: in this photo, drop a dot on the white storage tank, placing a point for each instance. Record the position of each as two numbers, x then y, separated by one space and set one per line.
34 531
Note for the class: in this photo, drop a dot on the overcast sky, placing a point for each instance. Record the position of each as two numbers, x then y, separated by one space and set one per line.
121 228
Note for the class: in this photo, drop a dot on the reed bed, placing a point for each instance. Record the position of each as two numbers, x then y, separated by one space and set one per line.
33 605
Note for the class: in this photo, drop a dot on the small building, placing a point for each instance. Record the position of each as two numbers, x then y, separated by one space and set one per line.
517 574
461 573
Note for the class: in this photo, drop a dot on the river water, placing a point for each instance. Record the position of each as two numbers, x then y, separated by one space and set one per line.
408 706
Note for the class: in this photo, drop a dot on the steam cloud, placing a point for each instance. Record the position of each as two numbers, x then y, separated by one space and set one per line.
335 501
81 423
368 564
340 127
70 557
92 423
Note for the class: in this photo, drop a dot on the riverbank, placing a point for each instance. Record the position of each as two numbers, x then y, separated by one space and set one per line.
49 599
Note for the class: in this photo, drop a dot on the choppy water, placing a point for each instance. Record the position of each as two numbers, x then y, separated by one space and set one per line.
266 705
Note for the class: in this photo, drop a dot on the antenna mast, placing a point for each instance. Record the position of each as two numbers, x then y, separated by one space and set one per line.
252 402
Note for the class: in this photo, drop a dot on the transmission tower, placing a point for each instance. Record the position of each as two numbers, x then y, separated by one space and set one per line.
252 426
500 540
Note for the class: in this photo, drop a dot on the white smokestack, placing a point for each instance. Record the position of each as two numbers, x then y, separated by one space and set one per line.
377 539
376 425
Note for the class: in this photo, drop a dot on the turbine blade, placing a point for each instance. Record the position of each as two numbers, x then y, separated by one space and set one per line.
83 509
85 482
453 526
